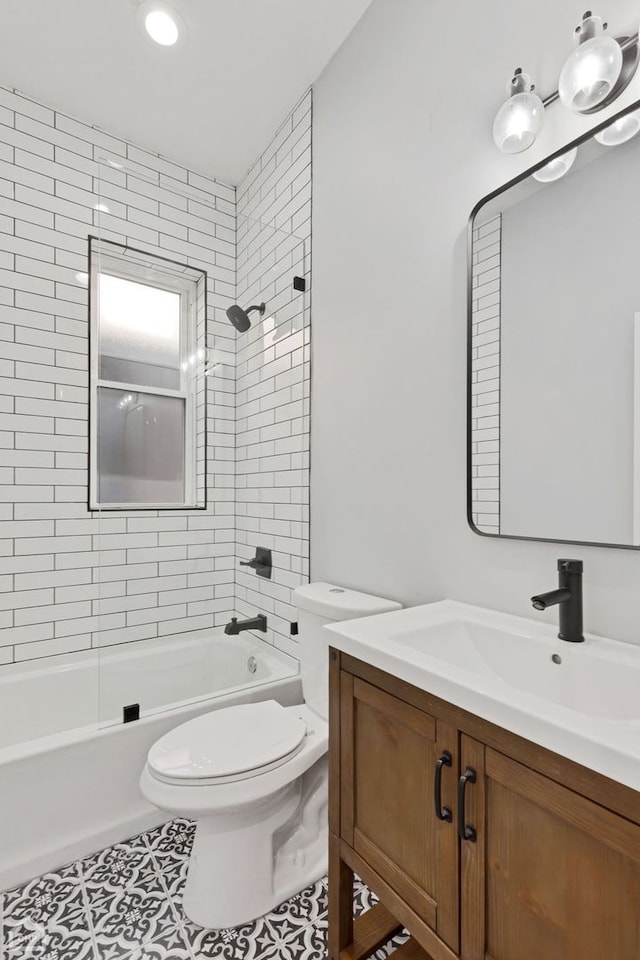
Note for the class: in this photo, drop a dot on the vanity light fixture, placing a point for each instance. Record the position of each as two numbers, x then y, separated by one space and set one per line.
595 74
620 130
520 118
556 168
592 71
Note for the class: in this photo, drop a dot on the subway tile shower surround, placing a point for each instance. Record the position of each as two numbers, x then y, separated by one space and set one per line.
69 579
273 375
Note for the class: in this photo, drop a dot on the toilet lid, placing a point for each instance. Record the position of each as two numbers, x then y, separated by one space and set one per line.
228 743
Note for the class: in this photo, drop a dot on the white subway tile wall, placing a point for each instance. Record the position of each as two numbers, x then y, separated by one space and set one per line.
485 376
71 580
273 375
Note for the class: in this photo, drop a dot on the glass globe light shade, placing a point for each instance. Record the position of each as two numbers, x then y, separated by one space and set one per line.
556 168
620 130
518 122
590 73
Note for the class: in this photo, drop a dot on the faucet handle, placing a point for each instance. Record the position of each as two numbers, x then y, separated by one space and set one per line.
261 563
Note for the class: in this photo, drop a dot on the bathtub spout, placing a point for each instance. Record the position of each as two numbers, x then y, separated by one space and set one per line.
234 626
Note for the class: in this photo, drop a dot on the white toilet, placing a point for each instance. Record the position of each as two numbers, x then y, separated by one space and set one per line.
254 777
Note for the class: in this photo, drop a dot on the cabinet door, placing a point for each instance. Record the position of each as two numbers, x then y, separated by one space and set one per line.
551 876
389 752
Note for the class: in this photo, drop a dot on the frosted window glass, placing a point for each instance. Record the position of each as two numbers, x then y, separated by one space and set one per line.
140 447
139 333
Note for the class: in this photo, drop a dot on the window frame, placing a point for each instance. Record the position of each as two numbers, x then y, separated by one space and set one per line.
112 259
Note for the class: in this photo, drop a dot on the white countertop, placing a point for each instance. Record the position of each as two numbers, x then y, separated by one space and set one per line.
500 668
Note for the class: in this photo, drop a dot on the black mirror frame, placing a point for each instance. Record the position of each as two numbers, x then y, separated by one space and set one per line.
481 203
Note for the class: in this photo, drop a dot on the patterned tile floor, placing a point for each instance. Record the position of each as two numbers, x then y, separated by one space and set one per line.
125 903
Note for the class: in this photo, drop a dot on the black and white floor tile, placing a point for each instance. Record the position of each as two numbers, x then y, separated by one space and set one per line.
125 903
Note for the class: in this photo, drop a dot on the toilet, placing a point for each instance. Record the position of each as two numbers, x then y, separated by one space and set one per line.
254 777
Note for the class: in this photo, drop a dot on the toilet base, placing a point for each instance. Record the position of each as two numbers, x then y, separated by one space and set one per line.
246 862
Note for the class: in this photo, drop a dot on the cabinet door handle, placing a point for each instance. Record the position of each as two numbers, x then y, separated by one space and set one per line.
442 813
465 830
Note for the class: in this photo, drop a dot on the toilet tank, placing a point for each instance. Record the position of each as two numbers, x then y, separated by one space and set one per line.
319 604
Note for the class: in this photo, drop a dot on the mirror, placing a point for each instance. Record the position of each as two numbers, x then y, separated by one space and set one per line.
554 346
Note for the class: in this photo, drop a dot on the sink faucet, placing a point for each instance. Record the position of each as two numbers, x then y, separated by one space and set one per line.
235 626
569 598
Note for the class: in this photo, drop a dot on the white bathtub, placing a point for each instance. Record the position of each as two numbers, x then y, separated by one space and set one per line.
69 767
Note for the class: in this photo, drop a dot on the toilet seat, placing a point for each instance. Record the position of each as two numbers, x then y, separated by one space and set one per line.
224 746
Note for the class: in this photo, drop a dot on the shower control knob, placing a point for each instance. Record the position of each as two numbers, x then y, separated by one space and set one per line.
261 563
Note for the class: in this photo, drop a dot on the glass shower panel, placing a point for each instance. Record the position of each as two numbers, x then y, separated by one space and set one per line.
272 426
184 483
154 322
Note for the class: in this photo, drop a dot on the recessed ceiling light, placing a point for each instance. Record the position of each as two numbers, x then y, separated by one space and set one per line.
161 23
161 27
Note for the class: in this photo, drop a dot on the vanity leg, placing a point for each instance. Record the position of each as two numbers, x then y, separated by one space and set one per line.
340 901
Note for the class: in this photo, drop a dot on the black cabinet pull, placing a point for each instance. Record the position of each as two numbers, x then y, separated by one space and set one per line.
442 813
465 830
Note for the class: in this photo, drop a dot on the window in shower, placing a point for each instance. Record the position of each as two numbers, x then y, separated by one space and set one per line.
148 393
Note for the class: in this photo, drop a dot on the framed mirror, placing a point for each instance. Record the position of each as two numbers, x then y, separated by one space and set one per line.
554 346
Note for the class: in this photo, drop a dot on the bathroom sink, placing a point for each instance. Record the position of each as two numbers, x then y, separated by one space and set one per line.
574 676
581 700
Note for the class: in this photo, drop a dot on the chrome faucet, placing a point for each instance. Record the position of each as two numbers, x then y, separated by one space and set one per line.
568 596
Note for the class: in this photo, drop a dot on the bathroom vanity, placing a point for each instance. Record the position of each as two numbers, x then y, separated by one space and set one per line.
486 840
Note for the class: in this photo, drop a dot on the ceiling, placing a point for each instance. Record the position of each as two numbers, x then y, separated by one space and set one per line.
211 103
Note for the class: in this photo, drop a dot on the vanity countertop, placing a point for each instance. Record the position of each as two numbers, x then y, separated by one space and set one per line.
580 700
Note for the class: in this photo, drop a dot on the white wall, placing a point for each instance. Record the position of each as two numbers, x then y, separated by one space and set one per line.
402 152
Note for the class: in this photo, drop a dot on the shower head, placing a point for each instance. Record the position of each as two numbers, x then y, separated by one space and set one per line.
240 318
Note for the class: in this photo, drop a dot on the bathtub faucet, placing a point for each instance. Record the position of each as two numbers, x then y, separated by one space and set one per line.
235 626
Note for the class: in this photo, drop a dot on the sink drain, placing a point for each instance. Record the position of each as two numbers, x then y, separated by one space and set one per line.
252 664
556 658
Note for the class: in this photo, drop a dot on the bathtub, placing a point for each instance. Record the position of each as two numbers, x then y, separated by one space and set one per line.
69 766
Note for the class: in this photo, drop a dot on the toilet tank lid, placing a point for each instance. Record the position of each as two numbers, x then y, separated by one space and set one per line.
338 603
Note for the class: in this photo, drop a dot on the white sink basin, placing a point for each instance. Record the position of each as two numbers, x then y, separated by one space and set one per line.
579 676
581 700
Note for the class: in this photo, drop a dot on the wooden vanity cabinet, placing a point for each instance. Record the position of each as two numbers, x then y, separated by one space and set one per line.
551 876
390 749
483 845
